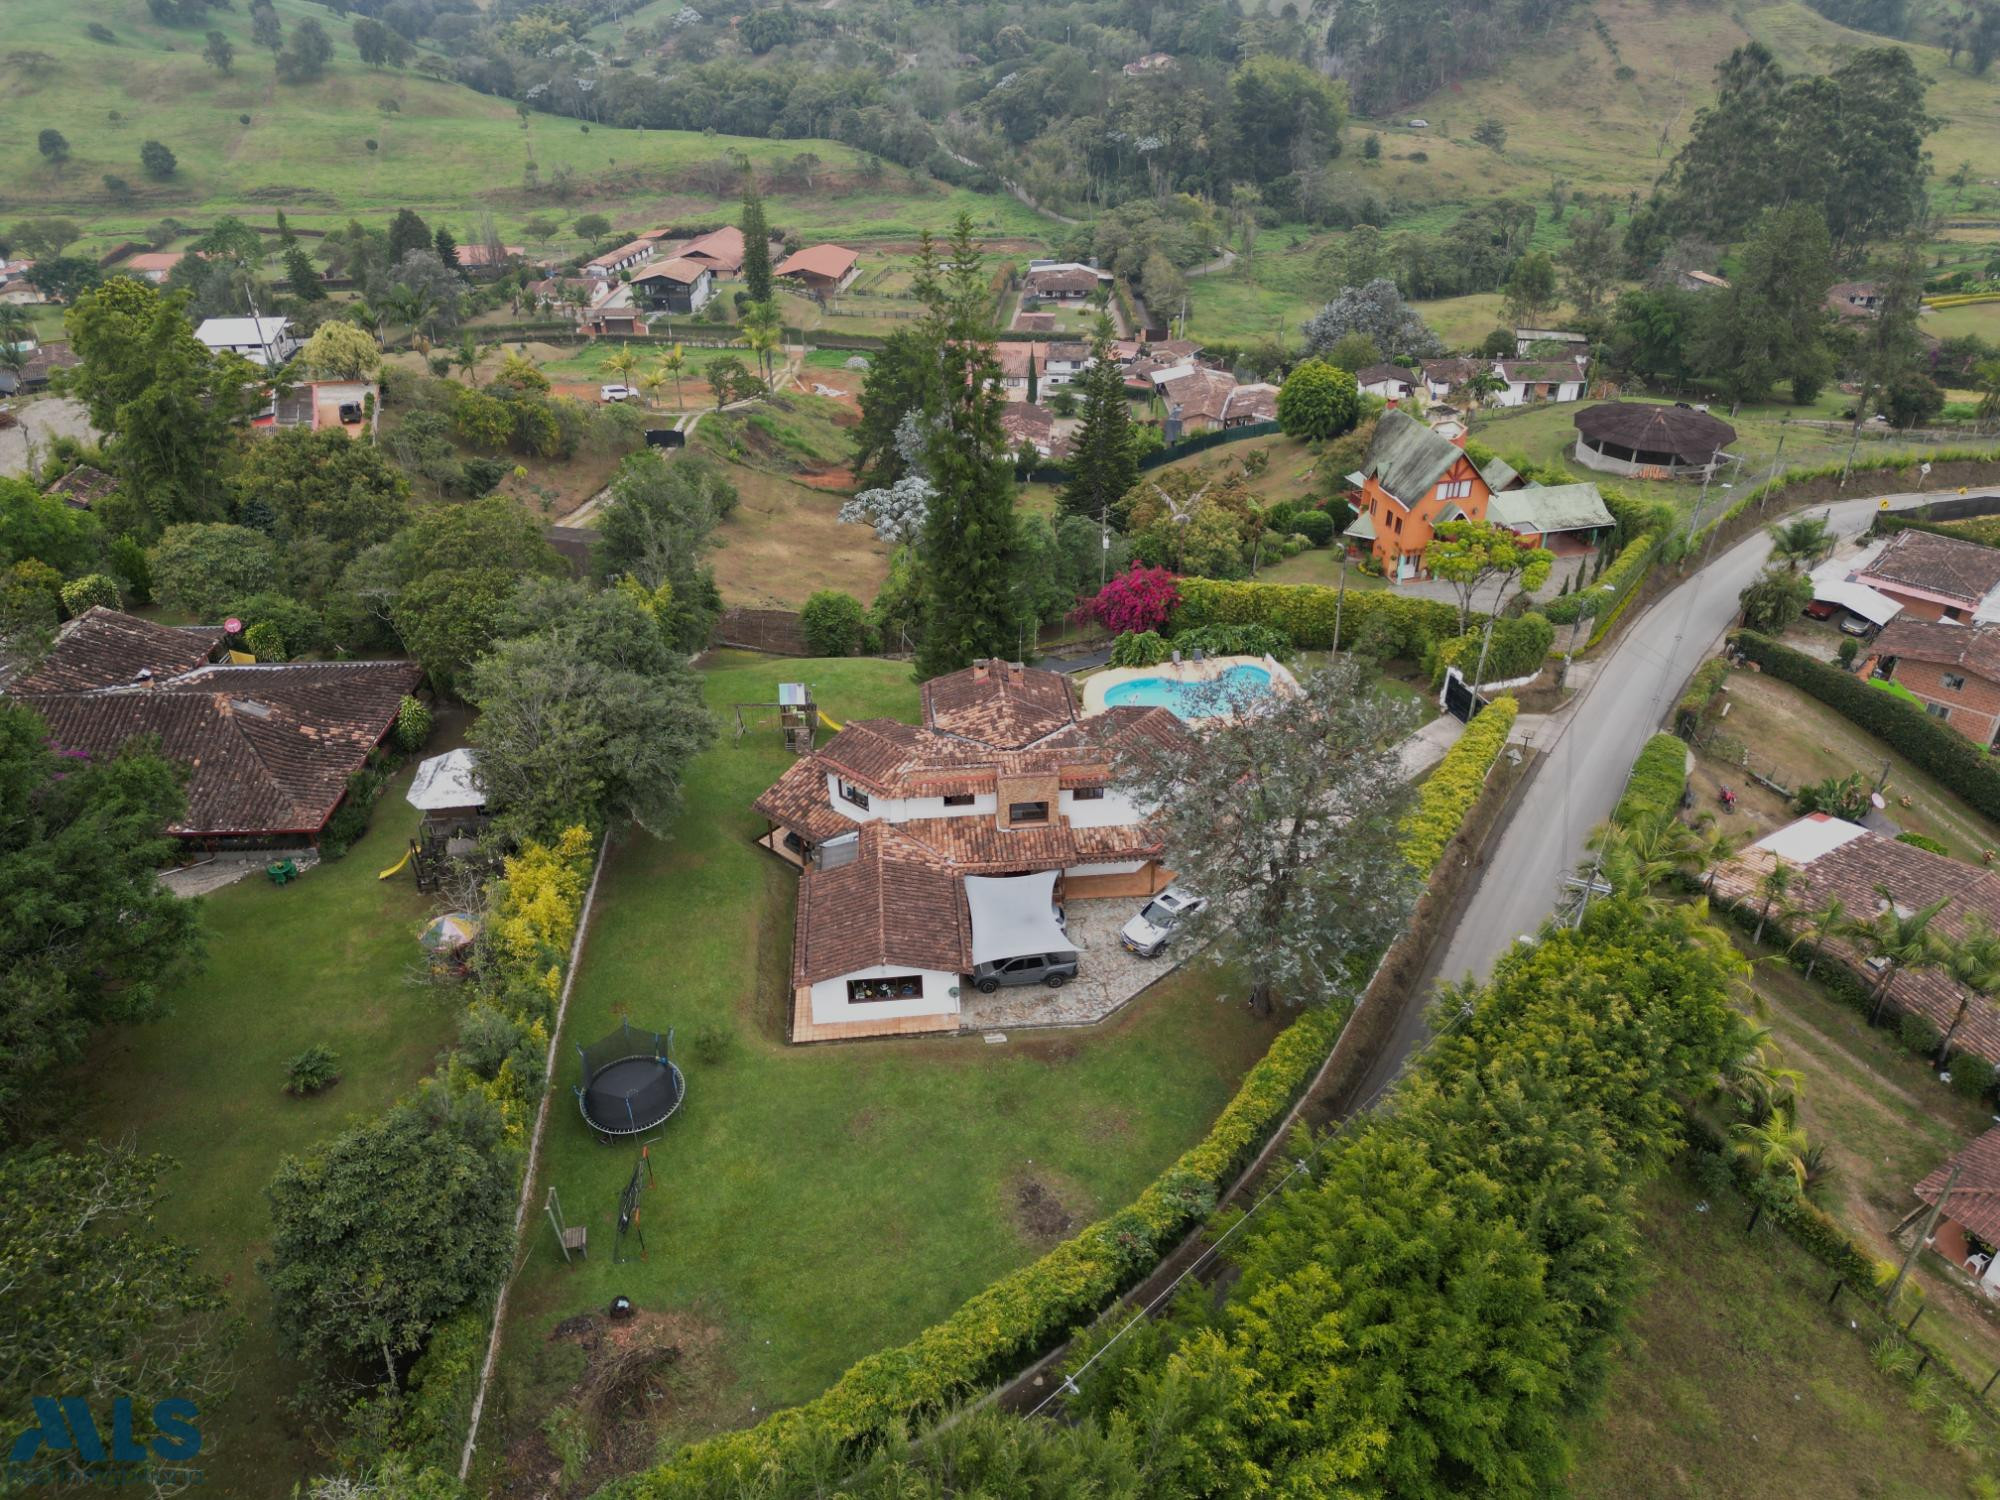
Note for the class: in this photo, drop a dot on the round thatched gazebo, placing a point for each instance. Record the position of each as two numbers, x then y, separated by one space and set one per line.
1649 441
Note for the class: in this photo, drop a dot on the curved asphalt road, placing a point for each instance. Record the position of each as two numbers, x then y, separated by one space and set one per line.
1583 772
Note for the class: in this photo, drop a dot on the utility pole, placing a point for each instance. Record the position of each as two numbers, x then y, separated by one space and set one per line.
1339 601
1923 1238
1771 478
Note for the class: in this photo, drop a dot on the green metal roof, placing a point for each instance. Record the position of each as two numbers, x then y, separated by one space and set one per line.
1549 508
1498 474
1363 529
1407 458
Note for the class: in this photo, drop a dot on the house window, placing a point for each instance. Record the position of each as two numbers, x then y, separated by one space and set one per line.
1938 710
852 793
894 987
958 799
1088 794
1454 489
1027 812
1953 682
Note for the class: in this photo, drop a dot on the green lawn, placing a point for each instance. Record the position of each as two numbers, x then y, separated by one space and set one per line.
1736 1383
326 959
817 1203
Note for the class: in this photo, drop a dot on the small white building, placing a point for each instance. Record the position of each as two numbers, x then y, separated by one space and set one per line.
1532 382
262 341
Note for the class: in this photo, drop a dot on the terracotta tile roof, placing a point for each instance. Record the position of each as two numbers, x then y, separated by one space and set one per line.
105 648
978 845
269 748
1916 877
891 907
797 800
1201 395
1173 349
1035 322
1020 420
1945 565
1013 356
1975 1197
622 252
83 487
999 704
721 248
1976 648
1068 283
680 269
1251 403
1381 374
829 262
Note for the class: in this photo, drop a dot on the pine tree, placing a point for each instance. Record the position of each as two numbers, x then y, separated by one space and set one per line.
407 232
300 275
971 538
446 247
1101 467
1034 382
756 245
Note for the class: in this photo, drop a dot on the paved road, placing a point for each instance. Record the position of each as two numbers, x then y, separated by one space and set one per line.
1580 780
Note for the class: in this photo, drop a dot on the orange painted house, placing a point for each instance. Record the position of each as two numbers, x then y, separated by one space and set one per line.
1413 480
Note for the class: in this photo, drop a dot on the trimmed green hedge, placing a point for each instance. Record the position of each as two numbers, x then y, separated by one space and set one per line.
1519 648
1002 1327
1659 781
1702 688
1305 612
1945 753
1902 463
1613 587
1449 791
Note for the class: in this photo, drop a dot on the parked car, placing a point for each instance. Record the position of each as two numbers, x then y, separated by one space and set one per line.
1052 969
1855 625
1821 609
615 393
1159 919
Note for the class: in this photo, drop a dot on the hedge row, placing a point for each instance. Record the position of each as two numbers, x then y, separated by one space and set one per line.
1449 791
1901 463
1614 585
1306 612
1658 781
1945 753
1702 688
1000 1328
1518 649
1814 1229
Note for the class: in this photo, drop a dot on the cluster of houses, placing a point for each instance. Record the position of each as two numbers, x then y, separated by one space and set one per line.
924 851
660 272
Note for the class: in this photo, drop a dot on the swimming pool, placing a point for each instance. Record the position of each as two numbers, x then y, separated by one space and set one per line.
1189 698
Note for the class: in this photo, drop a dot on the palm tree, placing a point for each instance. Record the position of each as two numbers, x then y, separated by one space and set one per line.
1973 962
1710 847
13 358
671 364
1634 857
765 334
1896 940
1801 542
467 359
1830 918
1750 1075
622 364
650 385
1775 1147
1776 882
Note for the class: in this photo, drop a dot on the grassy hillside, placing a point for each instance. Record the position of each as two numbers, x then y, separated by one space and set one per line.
441 149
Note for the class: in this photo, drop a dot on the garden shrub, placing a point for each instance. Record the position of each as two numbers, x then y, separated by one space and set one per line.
312 1070
1518 649
1612 587
833 623
80 594
1448 793
1658 781
264 642
1945 753
1236 640
1923 841
1305 613
413 724
1316 526
1140 648
1972 1076
1701 690
1917 1034
301 629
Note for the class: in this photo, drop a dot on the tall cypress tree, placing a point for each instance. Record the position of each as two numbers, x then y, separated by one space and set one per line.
971 543
1034 385
1101 466
756 244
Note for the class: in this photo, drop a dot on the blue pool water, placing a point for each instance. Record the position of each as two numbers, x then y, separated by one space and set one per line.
1188 700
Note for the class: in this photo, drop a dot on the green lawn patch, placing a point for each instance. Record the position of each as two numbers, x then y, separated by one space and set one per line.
817 1203
328 958
1737 1383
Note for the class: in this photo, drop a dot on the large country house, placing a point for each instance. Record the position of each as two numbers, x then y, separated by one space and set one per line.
887 821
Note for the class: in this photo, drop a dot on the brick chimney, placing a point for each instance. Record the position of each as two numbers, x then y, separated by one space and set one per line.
979 670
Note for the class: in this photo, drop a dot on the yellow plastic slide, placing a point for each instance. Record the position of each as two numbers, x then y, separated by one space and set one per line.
828 722
397 867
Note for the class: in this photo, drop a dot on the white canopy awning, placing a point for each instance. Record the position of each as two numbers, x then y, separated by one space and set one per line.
448 780
1013 916
1857 598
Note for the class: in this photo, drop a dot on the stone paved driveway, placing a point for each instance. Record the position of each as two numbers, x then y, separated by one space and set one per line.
1108 977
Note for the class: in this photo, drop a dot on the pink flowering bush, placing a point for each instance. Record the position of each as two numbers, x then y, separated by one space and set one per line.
1134 601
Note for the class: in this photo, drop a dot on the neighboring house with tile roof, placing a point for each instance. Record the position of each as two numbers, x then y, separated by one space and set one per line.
1197 399
678 285
83 487
1570 516
1967 1230
721 250
1028 424
1954 671
1531 382
886 819
1829 857
1249 404
625 257
269 748
823 270
1063 281
1390 382
1936 577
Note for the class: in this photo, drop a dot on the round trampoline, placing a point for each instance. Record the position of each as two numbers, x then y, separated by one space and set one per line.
630 1082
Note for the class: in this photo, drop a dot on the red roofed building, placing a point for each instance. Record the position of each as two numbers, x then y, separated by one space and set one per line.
1967 1231
269 748
824 270
721 251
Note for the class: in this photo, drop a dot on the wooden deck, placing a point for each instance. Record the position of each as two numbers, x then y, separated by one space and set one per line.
806 1029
